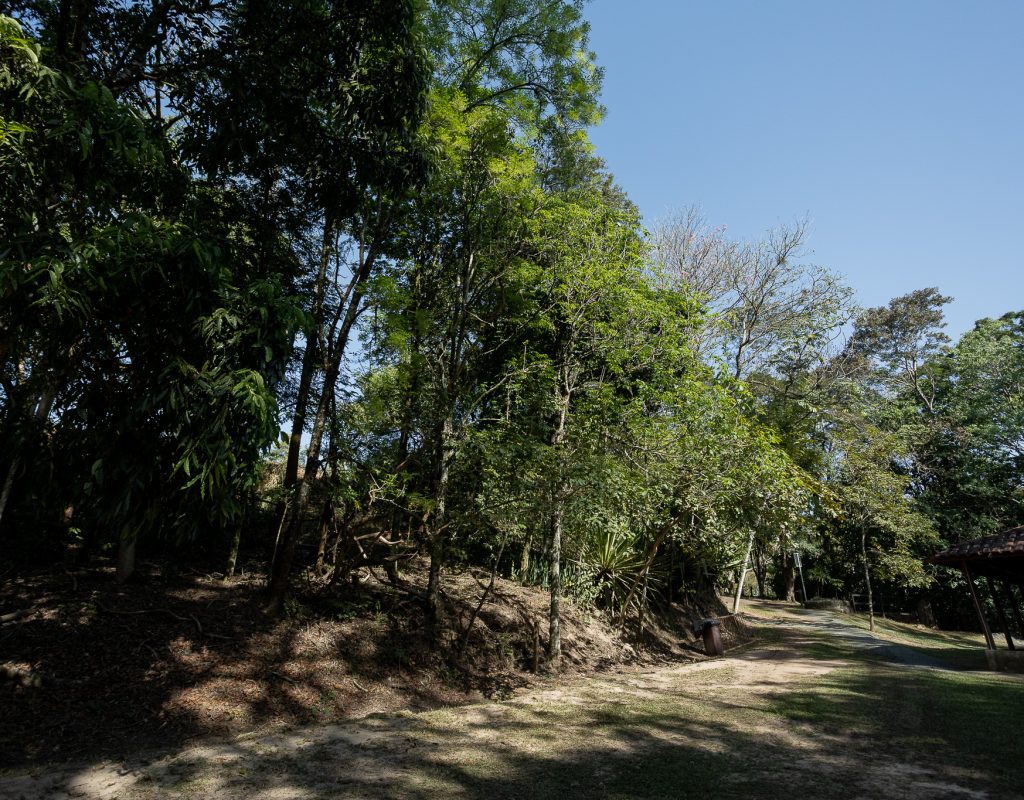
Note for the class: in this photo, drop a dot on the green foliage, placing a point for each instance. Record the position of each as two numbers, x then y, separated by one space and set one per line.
971 466
142 327
184 188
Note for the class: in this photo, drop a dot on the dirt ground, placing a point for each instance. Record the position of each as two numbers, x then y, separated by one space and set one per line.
100 671
739 726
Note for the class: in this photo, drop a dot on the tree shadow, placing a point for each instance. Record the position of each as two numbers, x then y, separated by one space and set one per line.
868 730
101 670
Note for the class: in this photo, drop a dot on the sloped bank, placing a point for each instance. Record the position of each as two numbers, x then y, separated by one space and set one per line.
174 659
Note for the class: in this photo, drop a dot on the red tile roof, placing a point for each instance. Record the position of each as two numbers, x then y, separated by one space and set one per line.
1008 544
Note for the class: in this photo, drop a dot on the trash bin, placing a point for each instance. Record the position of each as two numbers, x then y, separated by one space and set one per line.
710 630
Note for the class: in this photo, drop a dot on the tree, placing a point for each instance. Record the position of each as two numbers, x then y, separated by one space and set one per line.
877 509
142 334
772 314
453 302
901 342
970 483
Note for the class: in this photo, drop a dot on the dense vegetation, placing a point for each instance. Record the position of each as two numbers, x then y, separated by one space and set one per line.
350 274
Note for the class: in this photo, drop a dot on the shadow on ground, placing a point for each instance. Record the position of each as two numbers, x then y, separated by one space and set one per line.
856 728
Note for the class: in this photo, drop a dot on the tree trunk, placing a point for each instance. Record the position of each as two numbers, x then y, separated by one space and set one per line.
555 581
524 560
760 569
743 575
788 579
290 533
557 515
325 524
310 359
867 576
125 559
282 566
925 613
439 520
236 541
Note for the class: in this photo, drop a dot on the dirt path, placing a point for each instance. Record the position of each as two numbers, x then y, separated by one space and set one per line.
748 725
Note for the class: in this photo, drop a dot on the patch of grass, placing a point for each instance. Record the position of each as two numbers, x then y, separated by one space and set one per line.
953 721
771 609
962 649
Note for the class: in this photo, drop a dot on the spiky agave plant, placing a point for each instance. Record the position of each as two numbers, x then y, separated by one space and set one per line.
616 561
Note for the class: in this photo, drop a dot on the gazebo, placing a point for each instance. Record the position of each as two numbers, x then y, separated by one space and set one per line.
999 559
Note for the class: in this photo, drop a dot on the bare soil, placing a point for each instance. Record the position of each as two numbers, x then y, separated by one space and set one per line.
99 671
736 727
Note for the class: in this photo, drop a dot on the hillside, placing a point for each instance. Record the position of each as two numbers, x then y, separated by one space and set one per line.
170 659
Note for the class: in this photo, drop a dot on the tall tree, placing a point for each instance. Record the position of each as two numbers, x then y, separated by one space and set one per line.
142 332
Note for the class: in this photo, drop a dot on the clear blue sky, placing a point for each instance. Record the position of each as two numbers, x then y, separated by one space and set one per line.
897 127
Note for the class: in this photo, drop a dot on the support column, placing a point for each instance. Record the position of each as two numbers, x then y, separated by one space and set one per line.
1000 613
1014 608
991 645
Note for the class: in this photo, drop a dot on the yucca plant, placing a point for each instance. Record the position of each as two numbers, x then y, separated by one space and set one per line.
616 561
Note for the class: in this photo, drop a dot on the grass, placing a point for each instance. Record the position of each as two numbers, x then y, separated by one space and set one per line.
801 715
962 724
962 649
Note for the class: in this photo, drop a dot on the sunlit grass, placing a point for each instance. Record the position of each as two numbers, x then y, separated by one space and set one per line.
963 649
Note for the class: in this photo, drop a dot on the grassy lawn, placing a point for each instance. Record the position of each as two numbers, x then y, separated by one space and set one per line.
960 649
959 723
863 729
963 649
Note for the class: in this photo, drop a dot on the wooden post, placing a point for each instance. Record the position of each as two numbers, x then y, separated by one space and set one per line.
1014 608
1000 613
990 644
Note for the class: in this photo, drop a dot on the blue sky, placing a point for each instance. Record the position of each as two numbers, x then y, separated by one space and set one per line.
896 127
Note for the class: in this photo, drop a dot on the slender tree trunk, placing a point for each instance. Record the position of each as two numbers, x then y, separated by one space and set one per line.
557 518
524 559
290 533
760 569
291 468
125 559
439 519
310 361
236 541
555 581
867 576
325 524
743 575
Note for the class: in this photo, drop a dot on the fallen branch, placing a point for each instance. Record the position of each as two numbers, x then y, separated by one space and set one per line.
16 615
292 681
189 618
